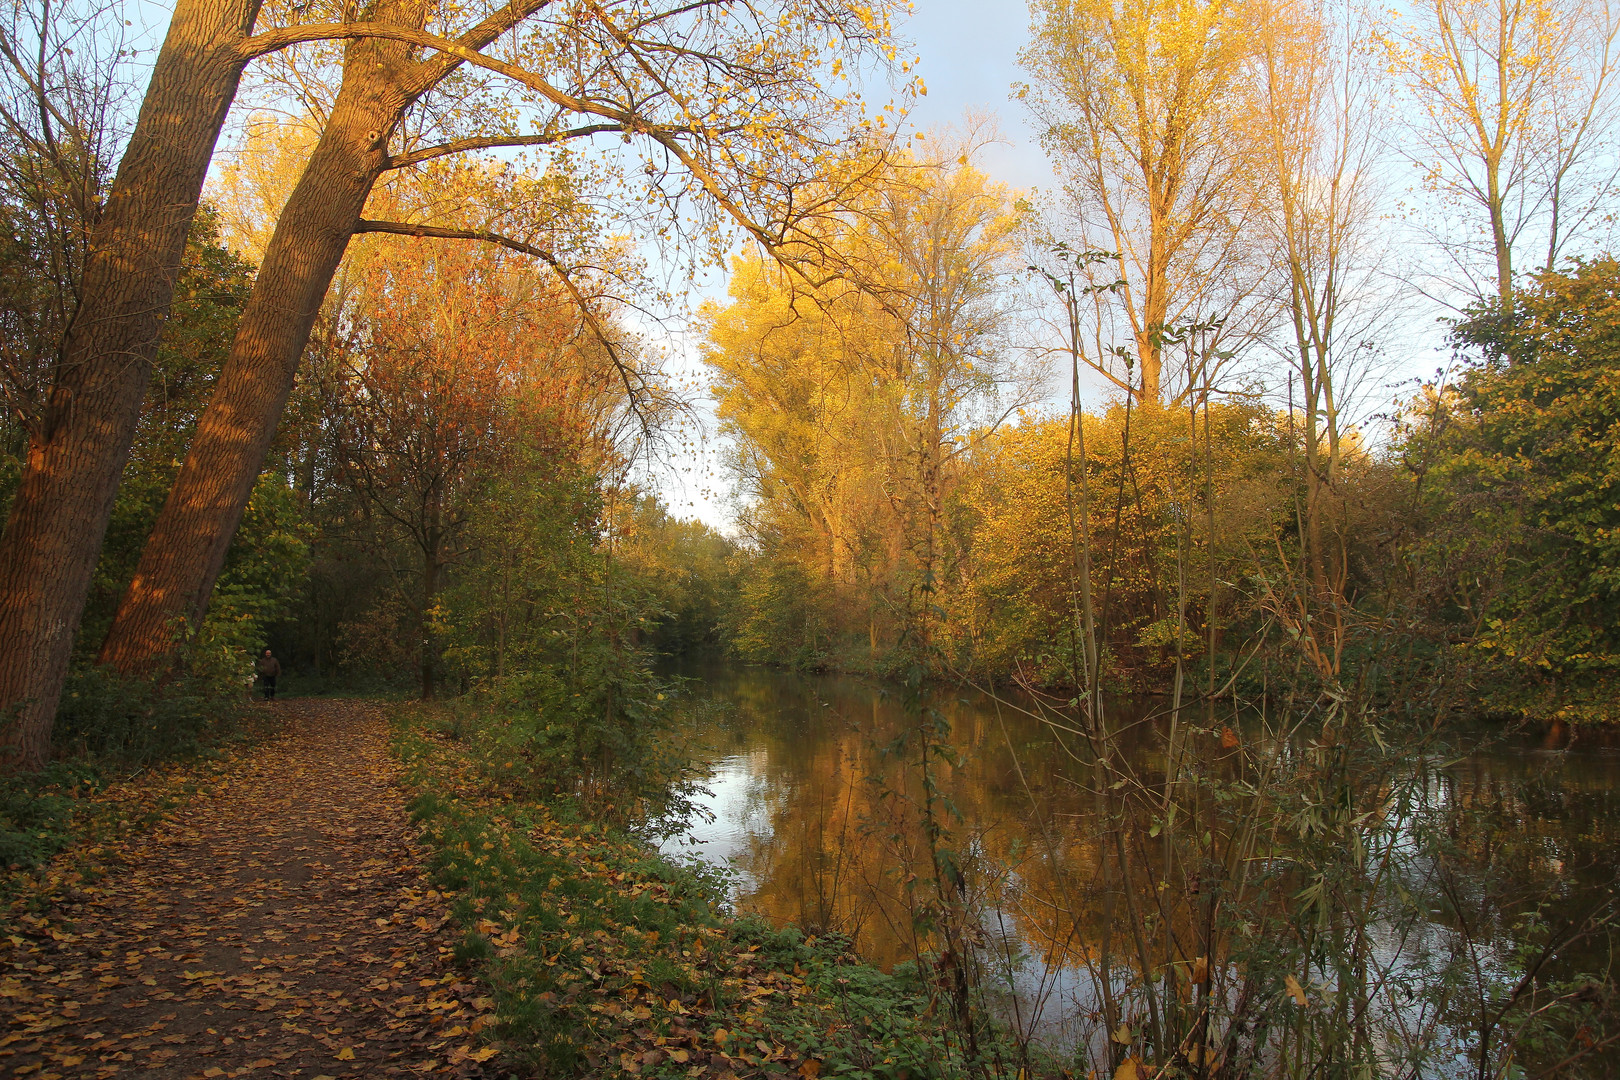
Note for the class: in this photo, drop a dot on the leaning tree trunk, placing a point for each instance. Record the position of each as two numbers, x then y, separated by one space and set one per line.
53 536
431 567
187 547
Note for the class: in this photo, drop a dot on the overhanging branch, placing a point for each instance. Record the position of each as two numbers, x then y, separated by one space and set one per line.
460 146
564 275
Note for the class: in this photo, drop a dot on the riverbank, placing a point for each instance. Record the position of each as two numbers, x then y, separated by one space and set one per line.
604 956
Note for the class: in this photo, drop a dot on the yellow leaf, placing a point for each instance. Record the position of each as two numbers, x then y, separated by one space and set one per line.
483 1055
1127 1070
1293 987
1122 1035
346 1054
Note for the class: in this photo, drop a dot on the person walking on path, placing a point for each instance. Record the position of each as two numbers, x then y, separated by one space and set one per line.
269 668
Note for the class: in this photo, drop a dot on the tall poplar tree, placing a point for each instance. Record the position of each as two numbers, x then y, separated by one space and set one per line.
1137 102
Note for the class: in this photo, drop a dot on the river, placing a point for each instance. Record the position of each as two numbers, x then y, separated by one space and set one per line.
818 814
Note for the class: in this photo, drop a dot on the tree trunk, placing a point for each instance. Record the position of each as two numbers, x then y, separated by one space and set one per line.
1495 210
53 536
430 591
187 548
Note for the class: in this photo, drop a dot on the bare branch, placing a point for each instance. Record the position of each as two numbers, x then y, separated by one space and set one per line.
461 146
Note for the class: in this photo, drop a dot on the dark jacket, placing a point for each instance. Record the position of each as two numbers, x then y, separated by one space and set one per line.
268 666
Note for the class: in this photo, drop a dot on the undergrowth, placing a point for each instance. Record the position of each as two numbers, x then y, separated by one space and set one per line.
604 957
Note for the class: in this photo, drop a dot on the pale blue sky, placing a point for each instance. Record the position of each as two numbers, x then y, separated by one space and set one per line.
969 57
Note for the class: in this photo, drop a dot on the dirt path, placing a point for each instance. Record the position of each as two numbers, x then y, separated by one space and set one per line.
281 928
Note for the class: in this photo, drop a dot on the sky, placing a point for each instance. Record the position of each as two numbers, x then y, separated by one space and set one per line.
969 55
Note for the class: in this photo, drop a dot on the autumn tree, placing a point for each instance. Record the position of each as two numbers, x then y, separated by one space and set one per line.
1314 103
416 409
853 399
729 148
1135 103
448 364
936 246
1511 106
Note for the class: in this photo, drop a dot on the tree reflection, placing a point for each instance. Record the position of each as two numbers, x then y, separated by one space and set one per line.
834 842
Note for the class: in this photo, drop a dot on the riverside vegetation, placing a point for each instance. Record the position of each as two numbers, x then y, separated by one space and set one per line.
426 478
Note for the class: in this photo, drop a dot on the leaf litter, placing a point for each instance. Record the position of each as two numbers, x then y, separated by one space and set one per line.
280 924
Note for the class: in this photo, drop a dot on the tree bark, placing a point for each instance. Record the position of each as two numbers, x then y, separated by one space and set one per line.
53 535
187 548
432 541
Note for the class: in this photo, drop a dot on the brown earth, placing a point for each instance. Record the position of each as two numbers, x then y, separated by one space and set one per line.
283 926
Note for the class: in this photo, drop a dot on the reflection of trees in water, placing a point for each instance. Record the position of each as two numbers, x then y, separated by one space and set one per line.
843 846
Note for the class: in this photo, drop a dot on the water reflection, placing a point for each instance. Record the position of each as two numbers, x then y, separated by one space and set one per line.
819 807
818 802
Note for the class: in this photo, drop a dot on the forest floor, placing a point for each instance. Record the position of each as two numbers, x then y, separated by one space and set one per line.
281 925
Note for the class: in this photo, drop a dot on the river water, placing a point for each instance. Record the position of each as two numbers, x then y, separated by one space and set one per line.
816 812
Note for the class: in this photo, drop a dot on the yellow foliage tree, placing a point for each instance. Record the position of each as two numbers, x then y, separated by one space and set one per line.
1137 101
853 397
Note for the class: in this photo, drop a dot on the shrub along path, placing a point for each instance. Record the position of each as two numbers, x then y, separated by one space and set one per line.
282 926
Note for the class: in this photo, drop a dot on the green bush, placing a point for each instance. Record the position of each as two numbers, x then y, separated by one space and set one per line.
136 721
38 811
